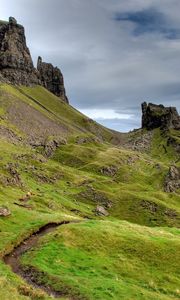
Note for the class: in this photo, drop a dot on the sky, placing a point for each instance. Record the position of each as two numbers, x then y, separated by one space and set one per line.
114 54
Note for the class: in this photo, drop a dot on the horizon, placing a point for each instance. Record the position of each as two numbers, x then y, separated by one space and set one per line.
113 56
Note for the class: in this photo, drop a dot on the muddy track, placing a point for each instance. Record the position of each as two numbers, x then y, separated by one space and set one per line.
13 259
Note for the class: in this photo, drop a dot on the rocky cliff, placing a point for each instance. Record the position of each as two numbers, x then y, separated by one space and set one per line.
158 116
52 79
16 65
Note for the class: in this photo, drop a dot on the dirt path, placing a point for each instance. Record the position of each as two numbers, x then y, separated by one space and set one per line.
13 259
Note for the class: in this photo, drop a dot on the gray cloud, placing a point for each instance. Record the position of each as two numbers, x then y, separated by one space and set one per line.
149 21
106 66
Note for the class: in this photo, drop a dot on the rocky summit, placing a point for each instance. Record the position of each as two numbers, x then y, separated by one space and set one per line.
16 65
158 116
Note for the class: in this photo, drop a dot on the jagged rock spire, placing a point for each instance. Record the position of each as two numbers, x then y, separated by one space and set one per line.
51 78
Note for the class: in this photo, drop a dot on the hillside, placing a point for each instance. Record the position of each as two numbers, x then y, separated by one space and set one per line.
56 164
35 115
85 212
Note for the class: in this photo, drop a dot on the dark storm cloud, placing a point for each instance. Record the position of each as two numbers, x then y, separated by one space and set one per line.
149 21
108 70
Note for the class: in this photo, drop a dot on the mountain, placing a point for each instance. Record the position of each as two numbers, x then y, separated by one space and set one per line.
85 212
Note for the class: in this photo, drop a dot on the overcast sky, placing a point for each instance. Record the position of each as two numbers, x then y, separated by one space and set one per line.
114 54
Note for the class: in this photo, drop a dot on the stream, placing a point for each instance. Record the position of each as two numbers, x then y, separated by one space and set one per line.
13 259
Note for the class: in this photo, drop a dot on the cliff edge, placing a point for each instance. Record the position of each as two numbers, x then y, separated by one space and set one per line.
16 65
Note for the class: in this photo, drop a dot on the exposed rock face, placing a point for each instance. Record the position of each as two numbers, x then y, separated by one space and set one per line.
109 170
52 79
140 142
51 145
16 66
158 116
14 178
172 181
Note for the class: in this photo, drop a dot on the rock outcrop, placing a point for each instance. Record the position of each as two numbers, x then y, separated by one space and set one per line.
158 116
51 145
101 211
52 79
172 181
16 65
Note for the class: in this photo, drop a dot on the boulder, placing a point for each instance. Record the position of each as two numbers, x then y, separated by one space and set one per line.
101 211
4 212
109 170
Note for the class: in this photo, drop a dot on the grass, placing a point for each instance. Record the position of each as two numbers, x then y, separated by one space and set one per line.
161 150
128 189
2 22
99 259
53 108
110 260
76 120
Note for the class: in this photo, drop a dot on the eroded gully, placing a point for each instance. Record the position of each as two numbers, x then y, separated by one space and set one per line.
13 259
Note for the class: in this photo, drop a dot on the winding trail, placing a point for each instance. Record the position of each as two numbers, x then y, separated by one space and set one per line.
13 259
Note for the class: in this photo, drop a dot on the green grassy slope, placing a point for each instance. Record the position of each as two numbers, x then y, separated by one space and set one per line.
110 260
37 107
86 172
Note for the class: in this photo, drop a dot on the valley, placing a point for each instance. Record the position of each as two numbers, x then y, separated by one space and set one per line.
86 213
